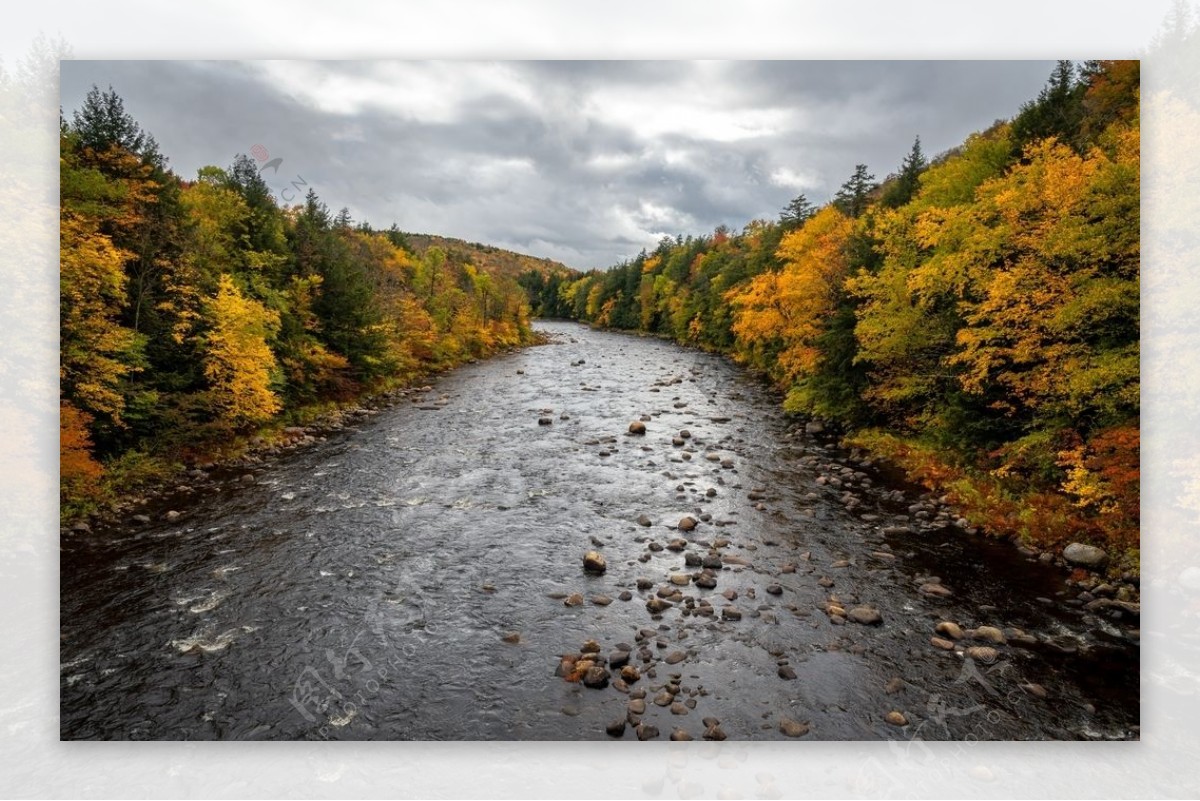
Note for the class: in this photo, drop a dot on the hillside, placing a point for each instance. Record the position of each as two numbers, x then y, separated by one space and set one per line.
493 260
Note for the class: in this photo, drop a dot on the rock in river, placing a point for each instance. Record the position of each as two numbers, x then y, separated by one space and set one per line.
982 653
596 678
989 634
637 427
1085 555
593 562
949 629
687 523
896 718
616 728
793 728
865 615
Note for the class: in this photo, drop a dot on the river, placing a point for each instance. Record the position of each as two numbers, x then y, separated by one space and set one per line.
368 586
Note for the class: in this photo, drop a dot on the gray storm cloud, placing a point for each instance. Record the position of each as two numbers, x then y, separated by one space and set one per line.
585 162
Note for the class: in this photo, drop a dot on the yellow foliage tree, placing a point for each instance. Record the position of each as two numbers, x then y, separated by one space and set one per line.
787 312
94 345
239 363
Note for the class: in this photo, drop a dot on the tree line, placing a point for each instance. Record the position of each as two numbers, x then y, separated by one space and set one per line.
974 317
196 311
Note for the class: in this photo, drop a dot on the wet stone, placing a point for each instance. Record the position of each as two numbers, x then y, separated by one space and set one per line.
949 629
786 672
774 589
865 615
616 728
896 718
596 678
793 728
989 634
646 732
680 735
983 653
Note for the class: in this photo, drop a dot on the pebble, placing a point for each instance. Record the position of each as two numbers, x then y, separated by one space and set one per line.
596 677
643 520
786 672
616 728
949 629
774 589
630 673
594 562
646 732
687 523
793 728
938 642
894 685
982 653
512 637
679 735
574 599
731 613
637 427
1036 690
602 600
865 615
678 709
545 421
934 589
714 732
1085 555
637 706
896 718
675 657
988 634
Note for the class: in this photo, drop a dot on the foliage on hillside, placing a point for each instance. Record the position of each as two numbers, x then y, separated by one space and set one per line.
983 309
196 311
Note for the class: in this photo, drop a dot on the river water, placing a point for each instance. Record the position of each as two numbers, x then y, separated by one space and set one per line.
363 587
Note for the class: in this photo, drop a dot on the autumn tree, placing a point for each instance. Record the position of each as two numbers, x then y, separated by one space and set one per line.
239 363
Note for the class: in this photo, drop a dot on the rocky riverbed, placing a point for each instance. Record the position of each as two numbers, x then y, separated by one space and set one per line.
605 536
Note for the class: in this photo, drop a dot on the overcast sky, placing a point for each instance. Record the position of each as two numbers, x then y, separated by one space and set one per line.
584 162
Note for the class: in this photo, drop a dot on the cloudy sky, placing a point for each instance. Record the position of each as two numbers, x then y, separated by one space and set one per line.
584 162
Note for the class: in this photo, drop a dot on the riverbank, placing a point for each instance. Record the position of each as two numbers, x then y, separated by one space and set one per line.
140 480
1043 526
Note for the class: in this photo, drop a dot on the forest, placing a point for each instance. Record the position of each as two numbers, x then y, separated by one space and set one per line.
973 318
196 313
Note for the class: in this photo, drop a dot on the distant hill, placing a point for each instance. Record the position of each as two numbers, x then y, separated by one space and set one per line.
496 261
